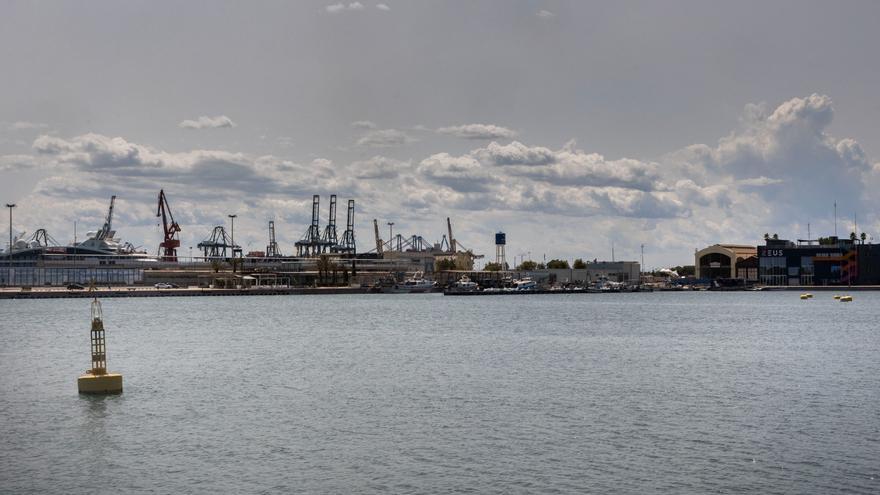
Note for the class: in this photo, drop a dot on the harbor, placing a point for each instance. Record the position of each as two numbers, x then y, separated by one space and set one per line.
324 262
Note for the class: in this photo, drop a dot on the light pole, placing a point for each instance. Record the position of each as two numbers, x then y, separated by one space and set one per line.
391 235
642 264
10 206
9 251
232 234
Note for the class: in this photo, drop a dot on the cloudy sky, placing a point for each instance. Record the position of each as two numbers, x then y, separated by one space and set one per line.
569 125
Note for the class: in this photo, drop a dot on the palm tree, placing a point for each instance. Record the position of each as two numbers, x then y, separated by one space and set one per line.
864 236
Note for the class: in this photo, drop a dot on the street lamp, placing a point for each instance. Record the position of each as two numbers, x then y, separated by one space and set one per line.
391 235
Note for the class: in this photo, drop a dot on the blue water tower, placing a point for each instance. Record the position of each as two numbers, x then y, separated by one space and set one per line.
500 241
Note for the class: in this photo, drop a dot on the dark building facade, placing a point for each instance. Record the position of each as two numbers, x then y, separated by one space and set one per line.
826 261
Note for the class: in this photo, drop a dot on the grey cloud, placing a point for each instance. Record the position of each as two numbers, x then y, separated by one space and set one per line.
24 126
379 167
385 138
461 173
17 162
545 14
363 124
478 131
383 7
205 122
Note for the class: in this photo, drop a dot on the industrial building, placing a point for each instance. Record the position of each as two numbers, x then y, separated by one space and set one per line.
726 261
626 272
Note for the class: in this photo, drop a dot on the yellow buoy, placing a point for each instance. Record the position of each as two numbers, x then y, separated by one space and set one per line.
846 298
97 380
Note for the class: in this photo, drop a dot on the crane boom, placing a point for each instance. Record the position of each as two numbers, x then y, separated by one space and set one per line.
106 231
170 228
379 249
452 244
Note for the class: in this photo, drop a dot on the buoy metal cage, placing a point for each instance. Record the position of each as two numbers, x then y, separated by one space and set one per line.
99 343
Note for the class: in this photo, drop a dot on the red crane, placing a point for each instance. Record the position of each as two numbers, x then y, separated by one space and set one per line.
168 247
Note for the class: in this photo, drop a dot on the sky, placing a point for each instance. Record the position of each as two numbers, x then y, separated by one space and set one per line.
571 126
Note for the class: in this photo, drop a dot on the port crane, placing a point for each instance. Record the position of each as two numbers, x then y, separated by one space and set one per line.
348 243
168 247
272 248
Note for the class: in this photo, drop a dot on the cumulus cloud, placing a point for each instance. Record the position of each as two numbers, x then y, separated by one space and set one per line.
205 122
779 169
385 138
789 152
478 131
341 7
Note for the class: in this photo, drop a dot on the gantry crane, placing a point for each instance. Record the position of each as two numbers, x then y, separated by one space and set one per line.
168 247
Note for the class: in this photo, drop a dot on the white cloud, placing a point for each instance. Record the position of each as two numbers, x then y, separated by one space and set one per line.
205 122
341 7
545 14
382 6
478 131
363 124
24 126
385 138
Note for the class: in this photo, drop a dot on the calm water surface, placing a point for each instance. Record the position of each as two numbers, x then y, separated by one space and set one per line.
626 393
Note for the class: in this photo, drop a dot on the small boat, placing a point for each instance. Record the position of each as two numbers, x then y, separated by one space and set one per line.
416 284
846 298
524 284
465 284
836 297
806 296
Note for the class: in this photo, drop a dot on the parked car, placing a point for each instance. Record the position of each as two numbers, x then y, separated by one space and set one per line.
163 285
75 287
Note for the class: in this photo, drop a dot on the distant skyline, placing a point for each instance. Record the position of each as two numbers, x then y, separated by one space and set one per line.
568 125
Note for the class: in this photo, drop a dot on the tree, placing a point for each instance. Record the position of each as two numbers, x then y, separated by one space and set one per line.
766 236
558 264
864 236
492 267
685 271
852 236
324 265
579 264
527 266
541 266
445 264
775 237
